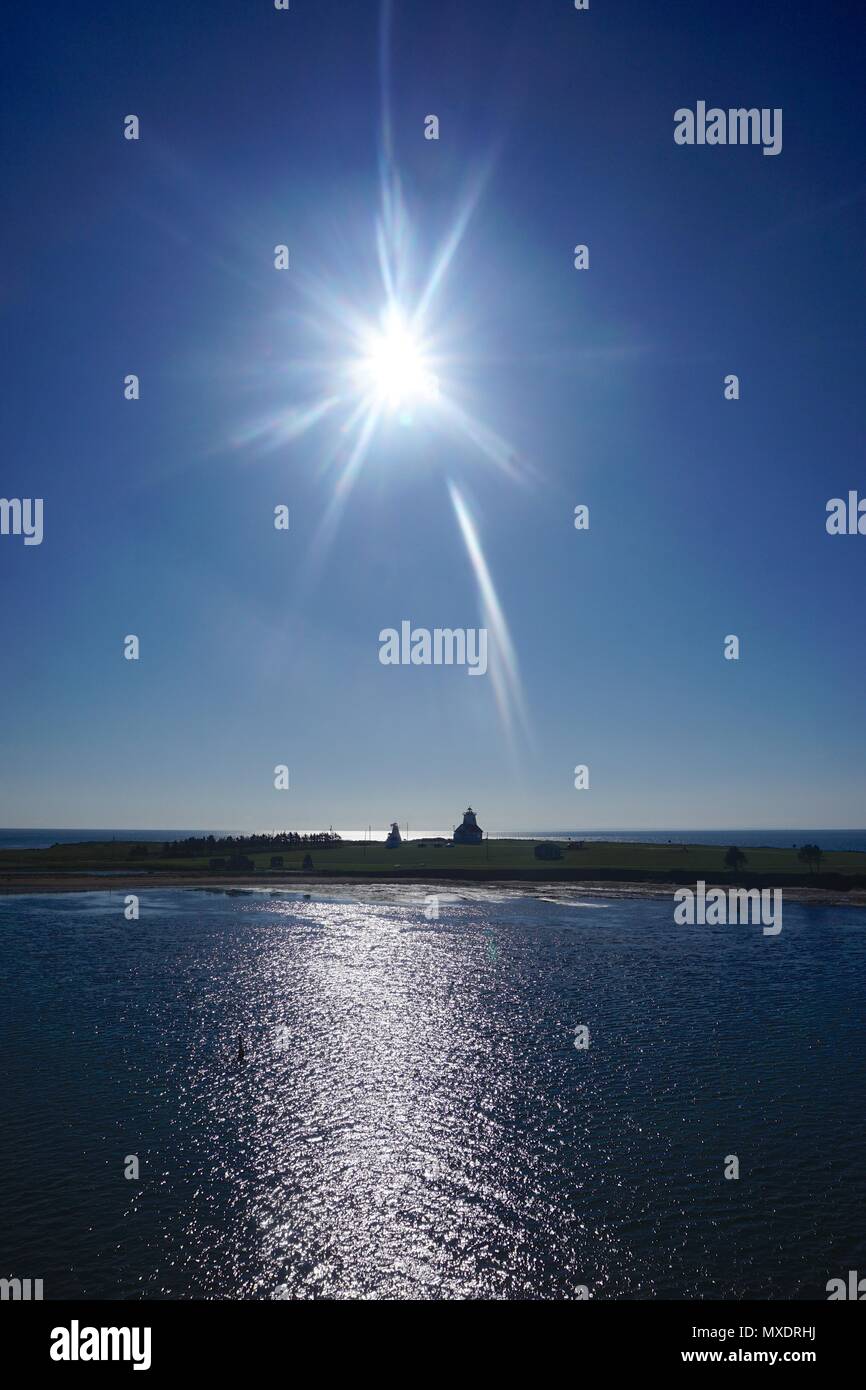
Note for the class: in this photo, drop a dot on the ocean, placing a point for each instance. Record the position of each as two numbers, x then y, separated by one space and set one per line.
411 1118
43 839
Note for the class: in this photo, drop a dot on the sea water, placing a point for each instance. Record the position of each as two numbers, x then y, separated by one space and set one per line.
411 1117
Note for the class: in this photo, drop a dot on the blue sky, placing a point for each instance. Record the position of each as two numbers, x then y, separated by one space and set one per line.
261 647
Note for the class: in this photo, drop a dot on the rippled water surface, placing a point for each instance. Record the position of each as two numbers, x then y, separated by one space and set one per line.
412 1118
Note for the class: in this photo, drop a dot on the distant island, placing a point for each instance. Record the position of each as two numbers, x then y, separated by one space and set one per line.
280 858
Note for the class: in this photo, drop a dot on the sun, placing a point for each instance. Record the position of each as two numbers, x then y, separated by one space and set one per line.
394 369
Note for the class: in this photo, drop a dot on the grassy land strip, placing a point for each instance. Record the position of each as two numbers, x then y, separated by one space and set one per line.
493 860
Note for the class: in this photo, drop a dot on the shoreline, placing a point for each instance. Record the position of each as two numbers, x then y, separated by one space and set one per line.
13 885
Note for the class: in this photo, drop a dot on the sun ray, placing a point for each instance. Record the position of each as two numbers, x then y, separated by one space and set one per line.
274 430
504 669
376 370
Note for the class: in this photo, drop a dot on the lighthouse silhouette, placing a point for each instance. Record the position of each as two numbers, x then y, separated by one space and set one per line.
470 832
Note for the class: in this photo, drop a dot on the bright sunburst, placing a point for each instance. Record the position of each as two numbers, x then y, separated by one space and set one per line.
394 370
399 366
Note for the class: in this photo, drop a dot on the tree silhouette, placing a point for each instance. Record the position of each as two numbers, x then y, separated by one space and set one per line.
811 855
735 859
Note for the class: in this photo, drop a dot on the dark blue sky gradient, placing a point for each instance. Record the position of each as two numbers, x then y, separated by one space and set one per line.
707 517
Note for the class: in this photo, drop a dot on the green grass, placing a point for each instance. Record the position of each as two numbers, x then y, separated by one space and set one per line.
493 857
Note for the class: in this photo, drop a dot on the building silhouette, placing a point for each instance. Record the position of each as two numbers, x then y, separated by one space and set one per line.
470 832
